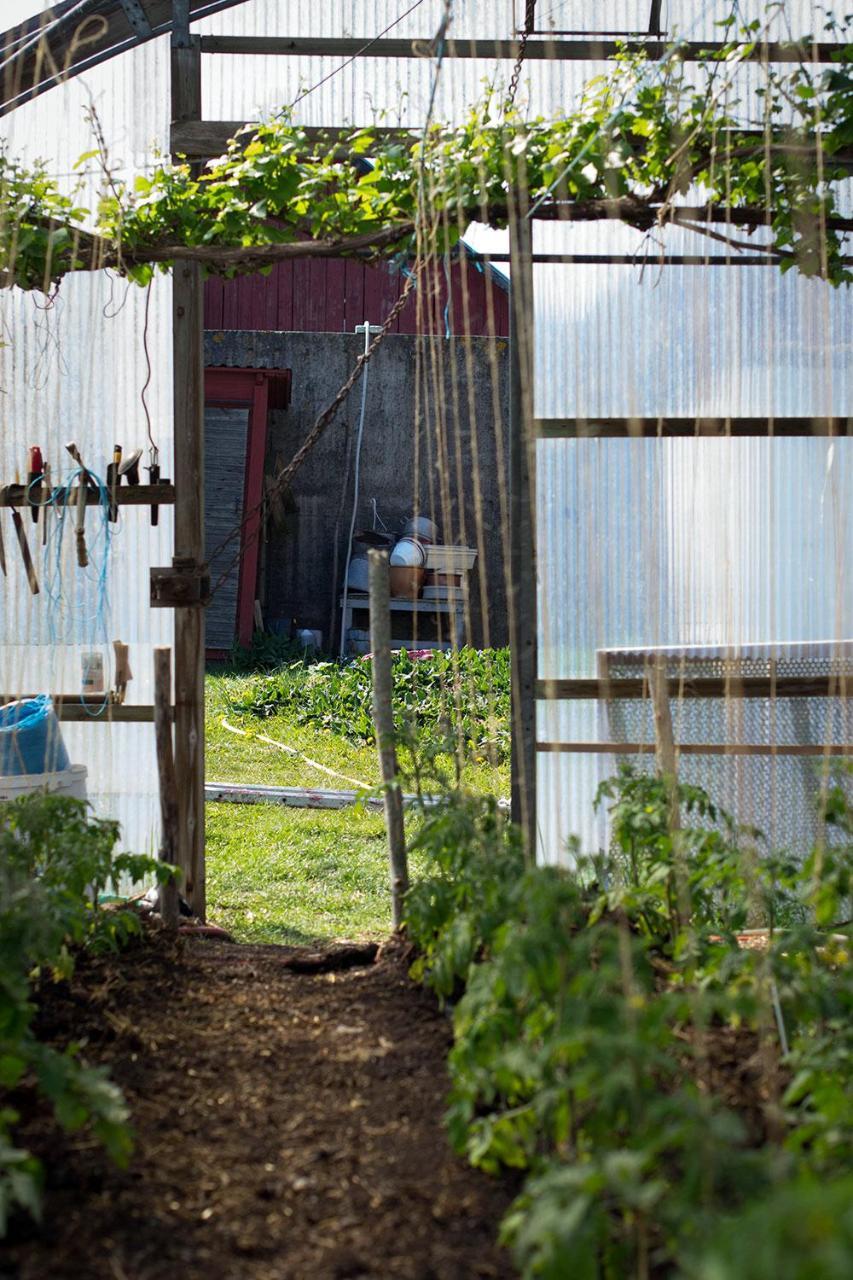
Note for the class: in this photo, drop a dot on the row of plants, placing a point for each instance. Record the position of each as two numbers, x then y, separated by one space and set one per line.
770 146
680 1104
462 698
55 862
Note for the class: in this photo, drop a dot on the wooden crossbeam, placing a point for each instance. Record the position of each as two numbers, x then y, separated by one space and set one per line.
621 428
831 686
698 748
574 49
138 495
91 708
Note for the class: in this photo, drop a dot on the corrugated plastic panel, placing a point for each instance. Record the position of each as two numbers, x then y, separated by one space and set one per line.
74 369
393 91
685 341
397 90
648 543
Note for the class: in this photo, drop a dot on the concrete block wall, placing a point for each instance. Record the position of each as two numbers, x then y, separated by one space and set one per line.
435 438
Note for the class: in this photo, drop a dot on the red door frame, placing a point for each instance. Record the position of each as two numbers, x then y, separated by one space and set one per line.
258 390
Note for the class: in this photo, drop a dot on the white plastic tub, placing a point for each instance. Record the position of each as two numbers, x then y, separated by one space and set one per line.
68 782
450 559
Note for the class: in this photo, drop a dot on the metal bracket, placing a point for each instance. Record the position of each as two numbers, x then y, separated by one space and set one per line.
183 583
137 17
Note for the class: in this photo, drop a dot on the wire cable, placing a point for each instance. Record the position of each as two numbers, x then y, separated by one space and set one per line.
357 54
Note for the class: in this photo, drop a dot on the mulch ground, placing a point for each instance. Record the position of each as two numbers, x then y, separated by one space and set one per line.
289 1127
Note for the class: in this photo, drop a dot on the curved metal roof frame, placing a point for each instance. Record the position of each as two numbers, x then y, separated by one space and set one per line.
74 35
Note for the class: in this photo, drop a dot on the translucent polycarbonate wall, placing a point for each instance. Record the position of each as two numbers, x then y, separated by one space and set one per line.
73 367
721 542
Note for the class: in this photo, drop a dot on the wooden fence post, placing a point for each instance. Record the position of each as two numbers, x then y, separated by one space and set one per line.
168 781
383 719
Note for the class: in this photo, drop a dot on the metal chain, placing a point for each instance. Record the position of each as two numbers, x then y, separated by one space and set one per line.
529 15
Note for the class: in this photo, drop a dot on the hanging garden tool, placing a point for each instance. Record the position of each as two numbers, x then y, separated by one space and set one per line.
35 474
153 470
25 549
82 494
129 469
48 486
113 481
123 673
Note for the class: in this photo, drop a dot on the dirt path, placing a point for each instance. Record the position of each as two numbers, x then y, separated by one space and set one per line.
289 1128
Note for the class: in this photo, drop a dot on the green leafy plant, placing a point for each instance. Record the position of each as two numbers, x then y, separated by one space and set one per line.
461 697
475 861
54 862
639 139
600 1012
803 1230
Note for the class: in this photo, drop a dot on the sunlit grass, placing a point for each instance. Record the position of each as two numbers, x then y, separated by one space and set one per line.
285 875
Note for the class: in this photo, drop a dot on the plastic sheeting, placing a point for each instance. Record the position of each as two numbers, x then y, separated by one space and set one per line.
73 368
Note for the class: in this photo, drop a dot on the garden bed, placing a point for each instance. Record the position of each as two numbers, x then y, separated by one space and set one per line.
287 1125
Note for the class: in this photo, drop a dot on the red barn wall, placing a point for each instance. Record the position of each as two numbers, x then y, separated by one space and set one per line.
333 295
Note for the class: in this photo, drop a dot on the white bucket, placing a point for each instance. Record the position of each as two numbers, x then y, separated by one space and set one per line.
69 782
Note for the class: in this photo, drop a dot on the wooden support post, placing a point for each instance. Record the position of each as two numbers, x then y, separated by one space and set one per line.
664 734
169 819
189 550
383 719
188 374
522 576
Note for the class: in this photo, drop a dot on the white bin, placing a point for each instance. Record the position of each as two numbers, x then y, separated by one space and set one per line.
68 782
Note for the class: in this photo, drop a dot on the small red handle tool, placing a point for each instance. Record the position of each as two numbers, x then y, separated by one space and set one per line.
35 472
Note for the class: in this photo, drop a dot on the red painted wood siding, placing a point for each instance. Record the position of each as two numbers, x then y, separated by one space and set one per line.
333 295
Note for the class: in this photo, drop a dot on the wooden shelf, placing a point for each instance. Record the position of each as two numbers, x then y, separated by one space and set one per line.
402 604
76 708
131 495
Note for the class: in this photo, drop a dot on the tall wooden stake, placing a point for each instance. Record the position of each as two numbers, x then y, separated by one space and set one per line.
383 719
667 761
168 783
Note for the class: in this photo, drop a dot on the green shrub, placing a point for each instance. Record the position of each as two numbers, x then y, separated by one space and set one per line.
54 862
584 1040
462 697
802 1231
475 863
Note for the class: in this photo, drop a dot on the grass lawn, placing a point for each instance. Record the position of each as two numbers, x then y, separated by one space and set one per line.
297 875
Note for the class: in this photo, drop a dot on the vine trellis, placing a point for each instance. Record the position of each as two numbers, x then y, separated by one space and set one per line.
767 170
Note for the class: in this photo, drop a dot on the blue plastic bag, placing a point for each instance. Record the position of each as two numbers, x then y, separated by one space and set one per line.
30 738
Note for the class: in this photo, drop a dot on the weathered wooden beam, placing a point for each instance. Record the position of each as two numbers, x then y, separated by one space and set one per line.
139 495
206 139
620 428
189 550
573 49
831 686
169 809
62 41
699 748
188 409
97 708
